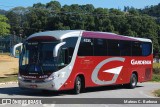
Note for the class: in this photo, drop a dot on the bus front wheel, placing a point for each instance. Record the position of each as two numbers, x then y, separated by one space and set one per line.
77 85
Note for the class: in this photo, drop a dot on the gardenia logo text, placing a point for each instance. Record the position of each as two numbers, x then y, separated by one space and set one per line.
140 62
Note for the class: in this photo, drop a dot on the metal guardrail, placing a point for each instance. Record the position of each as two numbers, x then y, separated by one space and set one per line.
7 43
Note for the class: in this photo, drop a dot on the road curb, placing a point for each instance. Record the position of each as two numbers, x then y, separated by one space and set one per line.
9 83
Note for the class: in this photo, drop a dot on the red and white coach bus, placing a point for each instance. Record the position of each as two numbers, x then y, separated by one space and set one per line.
76 59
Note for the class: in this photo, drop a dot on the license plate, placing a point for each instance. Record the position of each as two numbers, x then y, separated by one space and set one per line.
33 86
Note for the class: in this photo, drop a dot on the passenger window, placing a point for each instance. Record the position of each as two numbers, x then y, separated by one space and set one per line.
136 49
125 48
86 47
100 47
113 48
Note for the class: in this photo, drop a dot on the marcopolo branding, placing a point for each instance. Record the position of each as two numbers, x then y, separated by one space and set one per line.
140 62
35 77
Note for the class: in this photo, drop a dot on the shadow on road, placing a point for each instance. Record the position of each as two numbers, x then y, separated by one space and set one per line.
106 88
39 93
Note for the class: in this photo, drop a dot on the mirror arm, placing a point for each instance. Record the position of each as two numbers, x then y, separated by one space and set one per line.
55 51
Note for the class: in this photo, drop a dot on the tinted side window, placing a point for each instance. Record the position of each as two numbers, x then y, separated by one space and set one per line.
100 47
86 47
136 49
70 44
67 50
125 48
146 49
113 48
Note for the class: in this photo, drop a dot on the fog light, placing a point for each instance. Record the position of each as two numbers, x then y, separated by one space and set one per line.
20 77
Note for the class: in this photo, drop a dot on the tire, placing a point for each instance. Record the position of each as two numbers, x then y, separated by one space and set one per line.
77 85
133 81
45 91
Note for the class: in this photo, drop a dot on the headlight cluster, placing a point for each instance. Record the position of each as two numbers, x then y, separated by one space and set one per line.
20 77
55 75
49 78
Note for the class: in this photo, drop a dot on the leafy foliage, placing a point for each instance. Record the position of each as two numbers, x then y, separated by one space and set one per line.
151 10
2 12
53 16
4 26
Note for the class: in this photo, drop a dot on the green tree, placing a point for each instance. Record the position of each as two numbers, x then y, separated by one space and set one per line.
151 10
101 19
17 18
149 29
53 6
3 12
4 26
53 16
118 20
36 20
39 5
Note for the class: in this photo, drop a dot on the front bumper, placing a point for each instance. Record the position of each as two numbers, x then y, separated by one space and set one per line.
50 85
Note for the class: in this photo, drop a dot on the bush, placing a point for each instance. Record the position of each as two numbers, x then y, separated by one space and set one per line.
156 78
157 93
156 70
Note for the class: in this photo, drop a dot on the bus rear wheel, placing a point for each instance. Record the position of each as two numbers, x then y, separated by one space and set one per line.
133 81
77 85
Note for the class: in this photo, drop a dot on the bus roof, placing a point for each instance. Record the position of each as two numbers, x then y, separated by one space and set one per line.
62 34
109 35
57 34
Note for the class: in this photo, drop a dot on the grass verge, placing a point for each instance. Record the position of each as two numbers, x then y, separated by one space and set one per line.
156 72
157 93
6 53
156 78
8 79
156 65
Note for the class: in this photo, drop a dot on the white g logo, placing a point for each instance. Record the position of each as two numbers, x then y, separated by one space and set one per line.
116 71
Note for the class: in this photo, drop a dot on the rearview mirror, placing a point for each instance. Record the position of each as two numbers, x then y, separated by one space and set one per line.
17 50
55 51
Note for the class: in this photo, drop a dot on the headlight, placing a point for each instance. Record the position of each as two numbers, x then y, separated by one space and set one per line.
49 78
55 75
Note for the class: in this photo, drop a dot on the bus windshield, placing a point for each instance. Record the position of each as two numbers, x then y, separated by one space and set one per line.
37 57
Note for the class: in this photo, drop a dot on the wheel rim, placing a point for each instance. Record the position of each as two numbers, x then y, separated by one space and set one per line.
78 86
134 81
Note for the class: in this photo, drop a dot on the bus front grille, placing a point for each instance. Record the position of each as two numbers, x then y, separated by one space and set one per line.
35 81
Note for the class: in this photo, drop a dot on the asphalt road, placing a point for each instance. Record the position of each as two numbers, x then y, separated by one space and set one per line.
143 90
